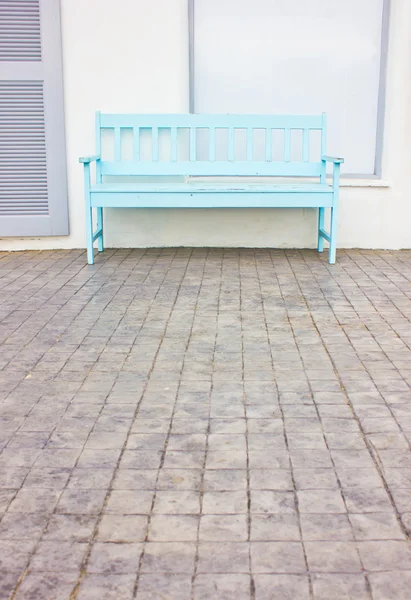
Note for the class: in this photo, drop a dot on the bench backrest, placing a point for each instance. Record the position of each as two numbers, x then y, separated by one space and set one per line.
191 144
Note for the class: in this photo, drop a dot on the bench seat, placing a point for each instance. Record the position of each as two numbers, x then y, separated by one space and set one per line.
206 187
210 161
210 195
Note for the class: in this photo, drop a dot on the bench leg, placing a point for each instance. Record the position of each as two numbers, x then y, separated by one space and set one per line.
89 235
89 215
320 226
333 236
100 227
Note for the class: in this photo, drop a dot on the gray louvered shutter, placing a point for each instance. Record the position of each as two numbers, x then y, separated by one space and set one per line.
33 181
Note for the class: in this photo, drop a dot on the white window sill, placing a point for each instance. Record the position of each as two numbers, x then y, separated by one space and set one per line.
362 182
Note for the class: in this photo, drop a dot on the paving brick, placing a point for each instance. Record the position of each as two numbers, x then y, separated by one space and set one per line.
169 585
340 586
47 585
228 586
277 557
391 585
106 587
58 556
224 528
333 557
275 527
286 587
173 528
328 526
320 501
223 557
113 558
171 557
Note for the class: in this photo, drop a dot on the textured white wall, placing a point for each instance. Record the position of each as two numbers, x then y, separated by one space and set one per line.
132 55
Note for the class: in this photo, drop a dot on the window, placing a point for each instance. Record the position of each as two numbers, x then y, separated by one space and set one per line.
295 57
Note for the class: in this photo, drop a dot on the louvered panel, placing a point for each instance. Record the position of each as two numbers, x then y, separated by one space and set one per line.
20 30
23 168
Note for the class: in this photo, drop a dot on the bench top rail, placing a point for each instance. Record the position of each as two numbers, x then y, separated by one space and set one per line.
206 121
210 145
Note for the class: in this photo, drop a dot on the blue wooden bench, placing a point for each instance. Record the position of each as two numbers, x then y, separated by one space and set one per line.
193 156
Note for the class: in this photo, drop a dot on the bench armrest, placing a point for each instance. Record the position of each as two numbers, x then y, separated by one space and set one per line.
332 159
88 159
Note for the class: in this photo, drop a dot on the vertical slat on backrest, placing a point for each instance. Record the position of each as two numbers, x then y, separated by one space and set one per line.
287 145
154 144
268 144
117 143
324 147
250 143
211 143
193 138
173 141
98 146
306 145
230 153
136 143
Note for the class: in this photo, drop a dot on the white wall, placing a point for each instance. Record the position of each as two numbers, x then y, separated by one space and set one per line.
132 56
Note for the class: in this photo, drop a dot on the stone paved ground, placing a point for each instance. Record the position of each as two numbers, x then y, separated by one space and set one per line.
205 424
